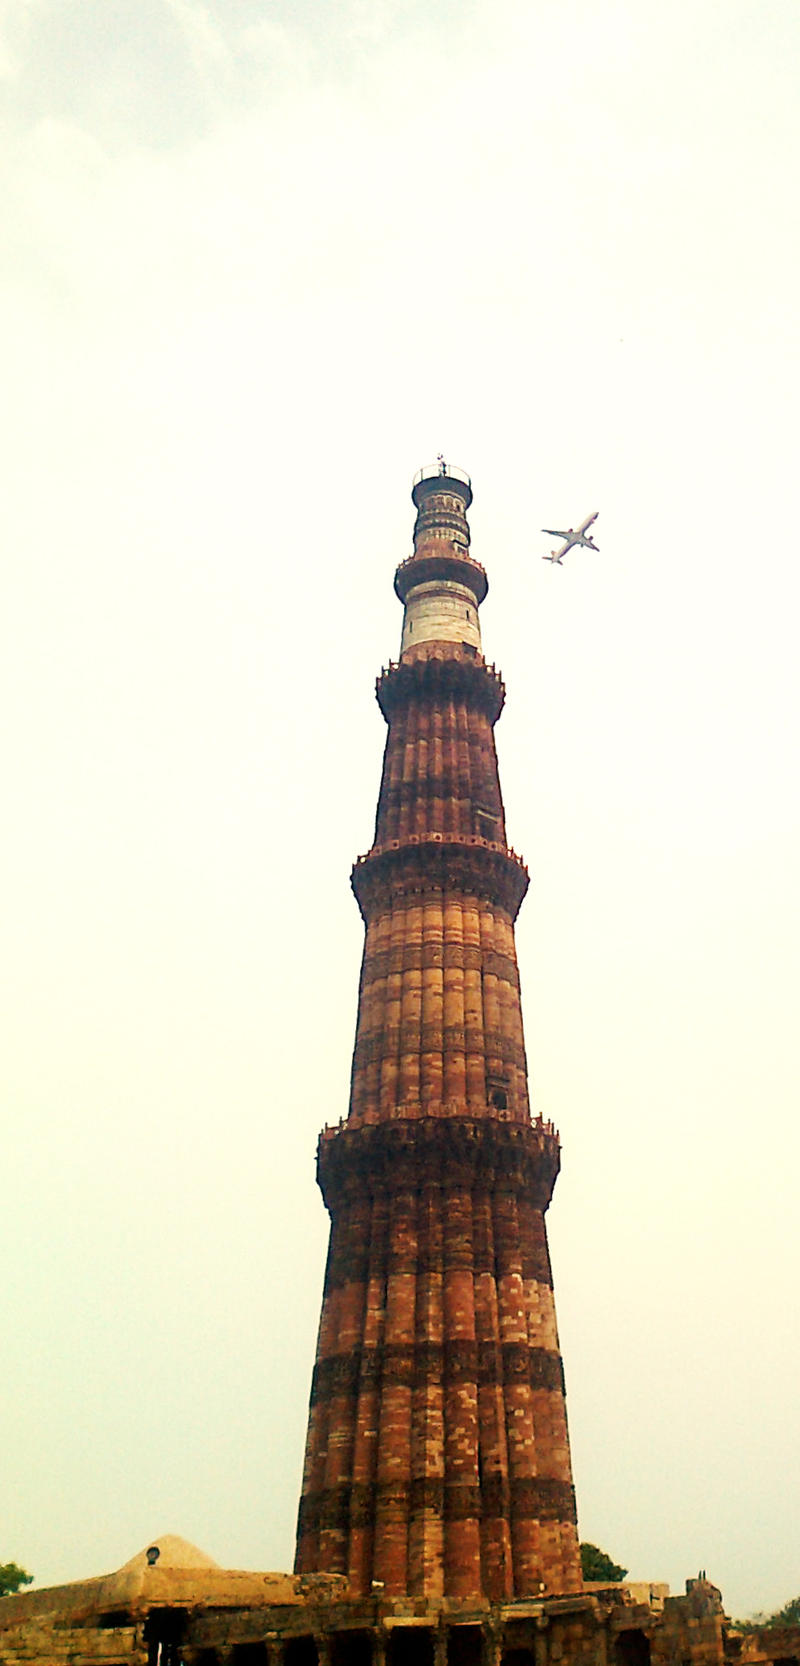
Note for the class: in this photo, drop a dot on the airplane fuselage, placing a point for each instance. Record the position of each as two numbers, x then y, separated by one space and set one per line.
571 537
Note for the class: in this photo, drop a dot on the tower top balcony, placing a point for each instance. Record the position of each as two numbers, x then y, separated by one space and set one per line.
441 471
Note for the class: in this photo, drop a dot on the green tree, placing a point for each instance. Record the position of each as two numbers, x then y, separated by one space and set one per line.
788 1615
11 1577
596 1566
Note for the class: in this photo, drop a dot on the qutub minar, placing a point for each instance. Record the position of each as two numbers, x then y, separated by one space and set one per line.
438 1459
437 1518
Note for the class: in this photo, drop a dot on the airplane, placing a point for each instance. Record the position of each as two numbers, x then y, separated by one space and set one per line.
573 535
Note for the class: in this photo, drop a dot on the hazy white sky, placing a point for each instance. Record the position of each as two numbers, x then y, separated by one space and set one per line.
259 261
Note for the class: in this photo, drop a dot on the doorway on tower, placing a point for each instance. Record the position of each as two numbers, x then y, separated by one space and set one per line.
498 1092
487 823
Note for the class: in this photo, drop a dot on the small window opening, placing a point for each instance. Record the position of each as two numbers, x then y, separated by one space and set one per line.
499 1098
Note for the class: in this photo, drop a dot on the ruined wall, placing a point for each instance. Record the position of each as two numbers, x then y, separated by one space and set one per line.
778 1645
316 1629
50 1644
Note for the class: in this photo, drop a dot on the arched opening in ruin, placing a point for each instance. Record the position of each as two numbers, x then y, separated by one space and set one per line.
464 1646
301 1651
351 1648
410 1646
632 1648
163 1633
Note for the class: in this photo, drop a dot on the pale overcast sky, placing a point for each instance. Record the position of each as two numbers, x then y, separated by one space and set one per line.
259 262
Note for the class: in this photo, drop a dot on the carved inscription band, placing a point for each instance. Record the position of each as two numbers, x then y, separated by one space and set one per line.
353 1260
403 795
486 1364
419 957
356 1504
438 1038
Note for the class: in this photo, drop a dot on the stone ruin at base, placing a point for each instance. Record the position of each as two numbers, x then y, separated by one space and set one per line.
191 1613
437 1522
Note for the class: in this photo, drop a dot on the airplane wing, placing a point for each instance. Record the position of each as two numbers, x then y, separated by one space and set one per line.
553 533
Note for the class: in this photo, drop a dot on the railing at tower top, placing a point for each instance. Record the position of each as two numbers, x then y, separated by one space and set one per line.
447 471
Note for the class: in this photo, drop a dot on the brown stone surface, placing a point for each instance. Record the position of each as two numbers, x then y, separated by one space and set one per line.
437 1460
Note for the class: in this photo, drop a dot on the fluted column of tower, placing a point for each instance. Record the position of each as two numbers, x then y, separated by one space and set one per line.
437 1461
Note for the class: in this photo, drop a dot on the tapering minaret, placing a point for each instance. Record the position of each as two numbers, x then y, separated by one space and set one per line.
437 1461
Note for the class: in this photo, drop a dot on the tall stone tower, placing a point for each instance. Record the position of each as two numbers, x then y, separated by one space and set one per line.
437 1460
